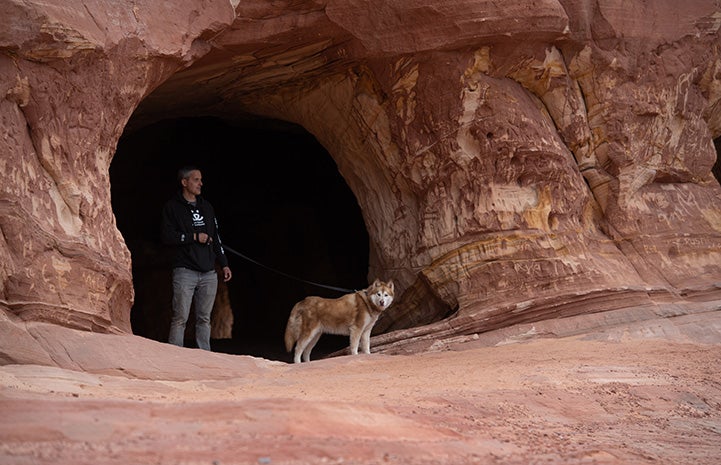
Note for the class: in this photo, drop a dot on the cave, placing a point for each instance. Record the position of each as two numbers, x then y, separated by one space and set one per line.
280 201
499 185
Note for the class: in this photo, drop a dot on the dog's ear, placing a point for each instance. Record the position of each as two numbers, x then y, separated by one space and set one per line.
377 282
390 284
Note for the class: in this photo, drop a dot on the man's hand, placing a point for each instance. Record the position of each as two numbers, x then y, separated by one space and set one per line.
203 238
227 274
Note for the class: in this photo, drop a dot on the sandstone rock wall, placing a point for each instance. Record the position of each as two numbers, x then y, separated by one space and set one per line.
71 76
513 162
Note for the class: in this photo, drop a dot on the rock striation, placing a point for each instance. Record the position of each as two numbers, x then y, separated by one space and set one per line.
514 163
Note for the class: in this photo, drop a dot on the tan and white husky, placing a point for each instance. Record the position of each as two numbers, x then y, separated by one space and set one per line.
352 314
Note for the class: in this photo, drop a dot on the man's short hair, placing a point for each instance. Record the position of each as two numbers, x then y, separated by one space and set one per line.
184 172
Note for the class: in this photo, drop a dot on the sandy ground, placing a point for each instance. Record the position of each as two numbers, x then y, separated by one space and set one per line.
569 400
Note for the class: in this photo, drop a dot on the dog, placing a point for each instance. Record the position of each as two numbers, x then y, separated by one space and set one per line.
352 315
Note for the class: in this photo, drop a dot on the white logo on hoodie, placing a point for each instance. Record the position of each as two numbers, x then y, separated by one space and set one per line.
198 220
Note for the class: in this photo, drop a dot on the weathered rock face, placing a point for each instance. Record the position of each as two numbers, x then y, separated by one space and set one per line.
71 77
514 163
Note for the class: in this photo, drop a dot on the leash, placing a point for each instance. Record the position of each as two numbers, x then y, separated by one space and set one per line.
245 257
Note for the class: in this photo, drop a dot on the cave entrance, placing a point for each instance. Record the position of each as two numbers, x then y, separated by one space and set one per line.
279 199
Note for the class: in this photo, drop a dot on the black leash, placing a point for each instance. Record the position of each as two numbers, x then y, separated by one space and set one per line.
245 257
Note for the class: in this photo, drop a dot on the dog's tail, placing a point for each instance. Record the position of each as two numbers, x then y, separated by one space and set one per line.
292 329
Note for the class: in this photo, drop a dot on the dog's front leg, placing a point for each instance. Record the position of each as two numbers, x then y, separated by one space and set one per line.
355 336
366 341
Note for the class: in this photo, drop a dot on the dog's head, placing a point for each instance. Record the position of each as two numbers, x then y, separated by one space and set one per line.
381 294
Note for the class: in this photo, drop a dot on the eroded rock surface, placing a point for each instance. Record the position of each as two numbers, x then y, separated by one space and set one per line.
527 170
571 400
513 163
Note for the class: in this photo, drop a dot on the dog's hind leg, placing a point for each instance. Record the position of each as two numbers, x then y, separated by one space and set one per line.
299 347
305 344
311 344
298 351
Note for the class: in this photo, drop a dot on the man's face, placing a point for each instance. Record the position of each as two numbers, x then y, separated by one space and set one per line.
193 182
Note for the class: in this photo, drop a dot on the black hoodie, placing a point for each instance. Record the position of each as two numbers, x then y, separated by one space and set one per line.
180 221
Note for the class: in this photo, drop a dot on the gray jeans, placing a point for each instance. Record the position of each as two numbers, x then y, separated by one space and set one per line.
189 285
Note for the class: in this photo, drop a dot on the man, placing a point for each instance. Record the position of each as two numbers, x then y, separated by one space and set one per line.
189 224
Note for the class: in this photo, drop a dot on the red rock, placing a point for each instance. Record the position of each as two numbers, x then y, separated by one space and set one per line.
562 400
514 164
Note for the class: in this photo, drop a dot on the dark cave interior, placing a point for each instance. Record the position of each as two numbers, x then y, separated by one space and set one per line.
279 199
